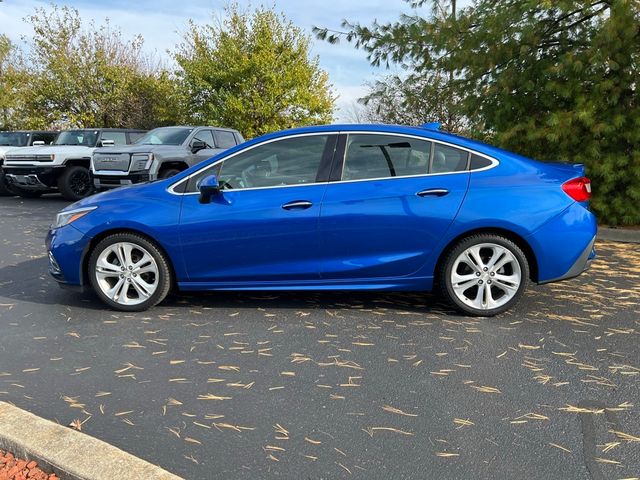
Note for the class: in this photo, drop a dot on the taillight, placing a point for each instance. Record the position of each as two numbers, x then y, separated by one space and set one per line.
578 188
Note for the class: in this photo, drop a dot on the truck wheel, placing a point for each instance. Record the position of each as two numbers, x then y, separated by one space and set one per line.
4 189
167 173
75 183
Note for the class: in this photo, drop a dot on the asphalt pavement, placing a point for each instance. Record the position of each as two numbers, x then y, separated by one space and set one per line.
331 385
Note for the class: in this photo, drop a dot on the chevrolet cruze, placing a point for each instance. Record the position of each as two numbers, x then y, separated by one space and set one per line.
342 207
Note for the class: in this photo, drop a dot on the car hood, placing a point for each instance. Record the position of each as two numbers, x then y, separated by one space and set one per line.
135 190
141 149
56 149
6 148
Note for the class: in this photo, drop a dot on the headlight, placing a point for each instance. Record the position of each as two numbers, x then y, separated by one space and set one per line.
141 161
70 216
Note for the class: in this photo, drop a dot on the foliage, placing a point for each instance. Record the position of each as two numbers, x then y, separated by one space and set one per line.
11 84
252 72
554 80
88 76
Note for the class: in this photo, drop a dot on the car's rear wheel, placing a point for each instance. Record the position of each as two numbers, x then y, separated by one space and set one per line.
75 183
129 272
4 189
484 275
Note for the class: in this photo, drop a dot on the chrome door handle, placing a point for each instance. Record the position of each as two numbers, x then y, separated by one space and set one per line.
433 192
297 205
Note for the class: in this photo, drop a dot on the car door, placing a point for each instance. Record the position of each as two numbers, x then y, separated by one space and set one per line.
263 226
392 200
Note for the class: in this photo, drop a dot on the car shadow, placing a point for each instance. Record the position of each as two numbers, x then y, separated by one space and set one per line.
29 281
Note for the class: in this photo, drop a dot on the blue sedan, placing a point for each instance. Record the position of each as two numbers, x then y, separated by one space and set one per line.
341 207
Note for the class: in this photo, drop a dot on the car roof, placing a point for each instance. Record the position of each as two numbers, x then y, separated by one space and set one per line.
430 132
199 126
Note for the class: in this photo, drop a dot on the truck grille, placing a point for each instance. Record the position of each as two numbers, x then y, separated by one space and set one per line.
13 157
111 161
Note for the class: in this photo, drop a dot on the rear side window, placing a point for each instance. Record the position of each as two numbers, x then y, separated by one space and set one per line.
478 162
383 156
119 138
448 159
224 139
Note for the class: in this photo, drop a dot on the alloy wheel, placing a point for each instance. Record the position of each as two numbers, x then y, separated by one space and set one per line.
486 276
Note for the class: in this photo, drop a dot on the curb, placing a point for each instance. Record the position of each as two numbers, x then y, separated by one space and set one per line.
619 235
70 454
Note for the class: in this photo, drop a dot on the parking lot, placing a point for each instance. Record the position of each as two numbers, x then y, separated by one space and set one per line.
331 385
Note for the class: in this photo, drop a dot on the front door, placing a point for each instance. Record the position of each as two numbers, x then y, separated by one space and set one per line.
395 199
263 226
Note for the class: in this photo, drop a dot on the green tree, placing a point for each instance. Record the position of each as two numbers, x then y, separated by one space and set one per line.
253 72
554 80
12 77
84 75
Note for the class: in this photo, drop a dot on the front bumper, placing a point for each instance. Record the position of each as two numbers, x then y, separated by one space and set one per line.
66 248
102 181
32 178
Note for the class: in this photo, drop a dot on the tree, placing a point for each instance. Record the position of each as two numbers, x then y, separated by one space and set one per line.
552 80
11 85
88 76
252 72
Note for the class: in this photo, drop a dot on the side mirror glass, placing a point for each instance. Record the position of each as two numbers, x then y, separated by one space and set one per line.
208 187
198 145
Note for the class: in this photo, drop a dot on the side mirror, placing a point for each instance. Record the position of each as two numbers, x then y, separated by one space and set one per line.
198 145
38 143
208 187
106 143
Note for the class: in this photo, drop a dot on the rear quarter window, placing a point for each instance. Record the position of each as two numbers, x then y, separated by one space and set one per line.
478 162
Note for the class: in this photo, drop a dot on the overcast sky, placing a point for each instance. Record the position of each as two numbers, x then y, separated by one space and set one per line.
161 22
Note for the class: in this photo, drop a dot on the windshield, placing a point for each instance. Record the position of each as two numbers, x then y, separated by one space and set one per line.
85 138
14 139
165 136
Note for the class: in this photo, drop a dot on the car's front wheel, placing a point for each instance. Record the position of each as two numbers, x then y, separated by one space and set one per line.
129 272
484 275
75 183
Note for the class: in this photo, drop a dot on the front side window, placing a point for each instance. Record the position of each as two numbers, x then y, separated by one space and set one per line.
119 138
204 136
383 156
291 161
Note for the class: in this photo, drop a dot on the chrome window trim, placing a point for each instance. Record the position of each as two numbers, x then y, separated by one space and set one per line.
494 161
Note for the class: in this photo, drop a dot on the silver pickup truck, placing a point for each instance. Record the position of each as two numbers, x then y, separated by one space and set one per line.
161 153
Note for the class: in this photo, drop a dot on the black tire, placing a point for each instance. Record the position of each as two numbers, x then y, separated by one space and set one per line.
4 189
165 278
24 193
444 275
168 173
75 183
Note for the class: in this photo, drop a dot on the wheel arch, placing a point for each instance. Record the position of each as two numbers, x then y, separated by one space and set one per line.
86 254
178 164
508 234
79 162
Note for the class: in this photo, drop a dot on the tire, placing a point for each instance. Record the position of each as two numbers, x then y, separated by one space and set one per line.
168 173
4 189
24 193
75 183
120 289
475 270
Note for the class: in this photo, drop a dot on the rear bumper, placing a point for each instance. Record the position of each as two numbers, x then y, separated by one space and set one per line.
564 246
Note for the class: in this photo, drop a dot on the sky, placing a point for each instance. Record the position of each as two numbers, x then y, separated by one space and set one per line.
161 23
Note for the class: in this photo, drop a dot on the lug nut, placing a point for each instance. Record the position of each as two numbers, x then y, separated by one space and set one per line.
485 269
121 276
130 267
129 280
493 274
488 282
477 274
122 268
480 282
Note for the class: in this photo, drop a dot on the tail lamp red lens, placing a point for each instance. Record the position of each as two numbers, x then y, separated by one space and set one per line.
578 188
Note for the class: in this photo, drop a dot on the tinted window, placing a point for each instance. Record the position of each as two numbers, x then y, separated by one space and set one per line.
45 137
292 161
381 156
448 159
135 136
119 138
85 138
204 136
225 139
478 162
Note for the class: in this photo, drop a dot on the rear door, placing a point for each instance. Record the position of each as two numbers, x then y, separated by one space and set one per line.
391 200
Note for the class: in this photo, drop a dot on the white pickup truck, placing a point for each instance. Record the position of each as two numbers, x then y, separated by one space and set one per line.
11 141
63 166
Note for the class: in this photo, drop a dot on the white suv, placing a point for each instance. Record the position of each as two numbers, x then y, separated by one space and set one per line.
64 166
